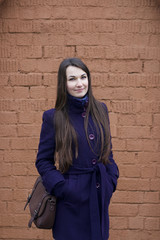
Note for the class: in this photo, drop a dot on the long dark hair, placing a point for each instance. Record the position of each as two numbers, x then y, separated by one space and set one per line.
65 135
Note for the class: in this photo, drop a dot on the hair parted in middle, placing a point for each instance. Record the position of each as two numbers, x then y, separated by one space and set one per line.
65 135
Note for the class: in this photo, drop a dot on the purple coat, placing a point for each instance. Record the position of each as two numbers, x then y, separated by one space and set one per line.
84 192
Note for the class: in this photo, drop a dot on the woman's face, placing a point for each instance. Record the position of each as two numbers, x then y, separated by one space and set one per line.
77 81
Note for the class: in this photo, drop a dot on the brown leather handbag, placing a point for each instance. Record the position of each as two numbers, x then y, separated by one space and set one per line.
42 206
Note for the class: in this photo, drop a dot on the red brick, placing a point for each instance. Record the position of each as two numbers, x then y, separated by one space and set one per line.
149 210
152 66
113 118
125 210
156 119
118 223
136 222
30 79
148 171
152 223
125 234
154 40
6 93
126 119
21 93
26 117
123 106
142 145
19 169
27 52
7 182
50 39
6 220
39 12
28 130
4 143
128 66
150 53
20 233
98 65
25 182
58 51
144 119
8 130
131 171
5 169
8 66
51 92
91 39
133 80
113 130
132 39
8 118
3 207
155 184
50 79
147 235
119 144
6 194
29 105
39 65
20 194
151 197
100 79
24 143
20 220
125 157
133 132
14 156
37 92
148 157
24 39
127 197
111 93
131 184
3 80
18 26
155 132
158 171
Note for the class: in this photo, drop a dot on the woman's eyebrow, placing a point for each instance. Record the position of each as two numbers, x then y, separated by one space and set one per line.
81 75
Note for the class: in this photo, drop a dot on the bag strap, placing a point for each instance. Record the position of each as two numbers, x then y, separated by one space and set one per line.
32 218
28 200
30 195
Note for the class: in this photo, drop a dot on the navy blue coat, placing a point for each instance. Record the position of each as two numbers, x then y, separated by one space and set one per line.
84 191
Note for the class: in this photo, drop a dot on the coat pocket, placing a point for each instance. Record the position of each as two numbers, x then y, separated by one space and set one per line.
72 195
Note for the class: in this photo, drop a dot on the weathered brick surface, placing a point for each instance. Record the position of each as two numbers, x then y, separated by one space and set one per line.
120 42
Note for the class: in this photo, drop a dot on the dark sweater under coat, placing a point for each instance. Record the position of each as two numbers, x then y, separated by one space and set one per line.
84 191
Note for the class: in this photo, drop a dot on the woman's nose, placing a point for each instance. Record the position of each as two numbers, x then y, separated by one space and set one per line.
79 82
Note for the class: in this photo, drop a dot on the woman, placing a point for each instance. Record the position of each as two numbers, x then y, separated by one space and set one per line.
75 158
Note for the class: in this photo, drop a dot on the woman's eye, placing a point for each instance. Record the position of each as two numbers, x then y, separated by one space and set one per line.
71 79
83 77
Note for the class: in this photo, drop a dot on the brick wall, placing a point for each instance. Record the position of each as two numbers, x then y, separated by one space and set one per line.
119 40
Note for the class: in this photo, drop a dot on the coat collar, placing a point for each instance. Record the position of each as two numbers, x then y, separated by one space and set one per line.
77 104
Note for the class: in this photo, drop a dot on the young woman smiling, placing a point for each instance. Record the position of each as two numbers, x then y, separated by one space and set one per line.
75 136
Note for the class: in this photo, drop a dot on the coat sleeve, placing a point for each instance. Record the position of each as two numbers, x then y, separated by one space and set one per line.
52 178
111 167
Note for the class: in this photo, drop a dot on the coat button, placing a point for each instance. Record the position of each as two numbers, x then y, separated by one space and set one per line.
97 185
94 161
91 136
83 114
